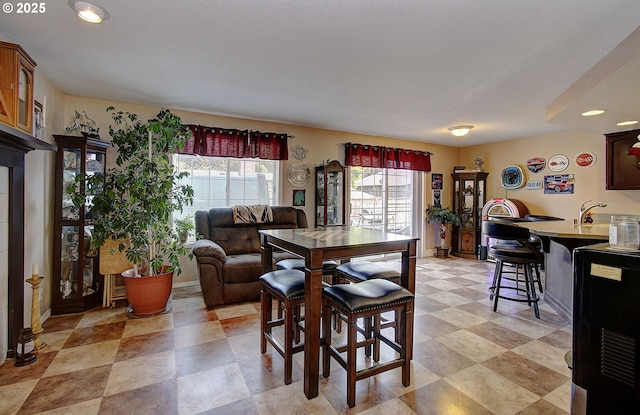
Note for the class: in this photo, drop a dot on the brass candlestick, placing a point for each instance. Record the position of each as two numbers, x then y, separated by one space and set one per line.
36 326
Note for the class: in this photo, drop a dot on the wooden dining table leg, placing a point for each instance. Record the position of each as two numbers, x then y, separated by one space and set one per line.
313 311
408 281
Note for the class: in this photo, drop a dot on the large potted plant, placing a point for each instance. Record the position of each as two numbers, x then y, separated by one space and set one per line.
445 217
133 203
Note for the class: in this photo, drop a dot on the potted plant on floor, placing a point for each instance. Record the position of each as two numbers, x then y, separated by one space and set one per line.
445 217
133 203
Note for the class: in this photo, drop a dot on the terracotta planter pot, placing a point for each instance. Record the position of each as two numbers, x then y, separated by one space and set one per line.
148 295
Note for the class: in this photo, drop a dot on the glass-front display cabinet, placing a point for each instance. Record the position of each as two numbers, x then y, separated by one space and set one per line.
76 281
469 196
330 194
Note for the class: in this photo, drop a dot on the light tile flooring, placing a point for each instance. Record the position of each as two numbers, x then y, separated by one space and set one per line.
468 360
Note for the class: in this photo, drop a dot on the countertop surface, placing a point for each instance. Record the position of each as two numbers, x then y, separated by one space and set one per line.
566 229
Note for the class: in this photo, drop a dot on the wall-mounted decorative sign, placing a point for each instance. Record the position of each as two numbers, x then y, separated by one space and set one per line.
534 184
536 164
512 177
585 159
559 162
559 183
436 180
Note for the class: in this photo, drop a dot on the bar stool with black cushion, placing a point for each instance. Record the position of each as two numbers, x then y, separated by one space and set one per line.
514 248
287 287
368 299
328 267
358 271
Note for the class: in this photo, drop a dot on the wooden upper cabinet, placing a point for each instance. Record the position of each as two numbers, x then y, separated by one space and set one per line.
16 87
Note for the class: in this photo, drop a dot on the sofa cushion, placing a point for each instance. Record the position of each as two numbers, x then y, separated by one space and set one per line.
237 239
247 267
242 268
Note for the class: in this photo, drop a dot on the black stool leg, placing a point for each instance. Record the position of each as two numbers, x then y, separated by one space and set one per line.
492 288
537 268
529 276
498 281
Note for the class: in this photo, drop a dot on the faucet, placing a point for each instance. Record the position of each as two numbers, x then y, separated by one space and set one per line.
585 209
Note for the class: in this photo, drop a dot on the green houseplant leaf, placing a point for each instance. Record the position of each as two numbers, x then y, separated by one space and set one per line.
441 215
135 200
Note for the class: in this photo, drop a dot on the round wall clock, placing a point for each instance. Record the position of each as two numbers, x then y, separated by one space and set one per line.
559 162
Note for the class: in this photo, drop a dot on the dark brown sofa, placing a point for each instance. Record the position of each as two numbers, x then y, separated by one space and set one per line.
228 255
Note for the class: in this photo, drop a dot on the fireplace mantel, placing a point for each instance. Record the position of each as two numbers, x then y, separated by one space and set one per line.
14 145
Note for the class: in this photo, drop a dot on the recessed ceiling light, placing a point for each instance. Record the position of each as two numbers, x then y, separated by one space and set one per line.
460 130
630 122
89 12
592 113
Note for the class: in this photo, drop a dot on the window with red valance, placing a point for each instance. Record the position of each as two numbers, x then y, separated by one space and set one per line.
386 157
221 142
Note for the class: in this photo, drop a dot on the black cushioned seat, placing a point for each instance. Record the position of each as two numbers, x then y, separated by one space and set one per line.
514 248
358 271
298 263
367 300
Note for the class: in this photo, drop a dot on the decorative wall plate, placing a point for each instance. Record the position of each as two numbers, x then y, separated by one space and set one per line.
298 175
512 177
585 159
559 162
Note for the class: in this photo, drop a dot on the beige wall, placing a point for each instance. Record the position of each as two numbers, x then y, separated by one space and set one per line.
39 194
590 182
322 144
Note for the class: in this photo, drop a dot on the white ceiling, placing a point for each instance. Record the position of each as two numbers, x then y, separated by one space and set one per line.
399 68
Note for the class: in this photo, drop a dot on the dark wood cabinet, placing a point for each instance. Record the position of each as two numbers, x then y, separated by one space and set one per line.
469 196
330 194
76 282
623 160
16 87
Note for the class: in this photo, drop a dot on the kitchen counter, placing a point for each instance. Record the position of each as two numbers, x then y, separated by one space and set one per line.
566 229
559 238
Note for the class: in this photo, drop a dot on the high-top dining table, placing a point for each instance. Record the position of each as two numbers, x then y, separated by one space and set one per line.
340 243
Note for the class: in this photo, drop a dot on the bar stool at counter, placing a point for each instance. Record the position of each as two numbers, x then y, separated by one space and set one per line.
520 253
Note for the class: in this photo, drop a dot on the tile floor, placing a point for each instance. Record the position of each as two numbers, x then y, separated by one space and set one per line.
468 360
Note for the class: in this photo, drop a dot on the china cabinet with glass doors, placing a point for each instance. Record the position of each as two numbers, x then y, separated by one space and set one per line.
330 194
76 282
469 196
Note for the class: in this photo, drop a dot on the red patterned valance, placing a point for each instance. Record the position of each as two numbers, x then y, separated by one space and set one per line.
221 142
386 157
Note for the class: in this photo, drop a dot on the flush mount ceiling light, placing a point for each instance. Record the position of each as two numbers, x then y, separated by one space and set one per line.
592 113
460 130
630 122
89 12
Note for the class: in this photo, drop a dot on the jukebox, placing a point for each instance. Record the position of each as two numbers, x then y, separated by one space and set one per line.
500 208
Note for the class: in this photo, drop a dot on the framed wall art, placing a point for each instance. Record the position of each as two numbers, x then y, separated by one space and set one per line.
623 160
298 197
